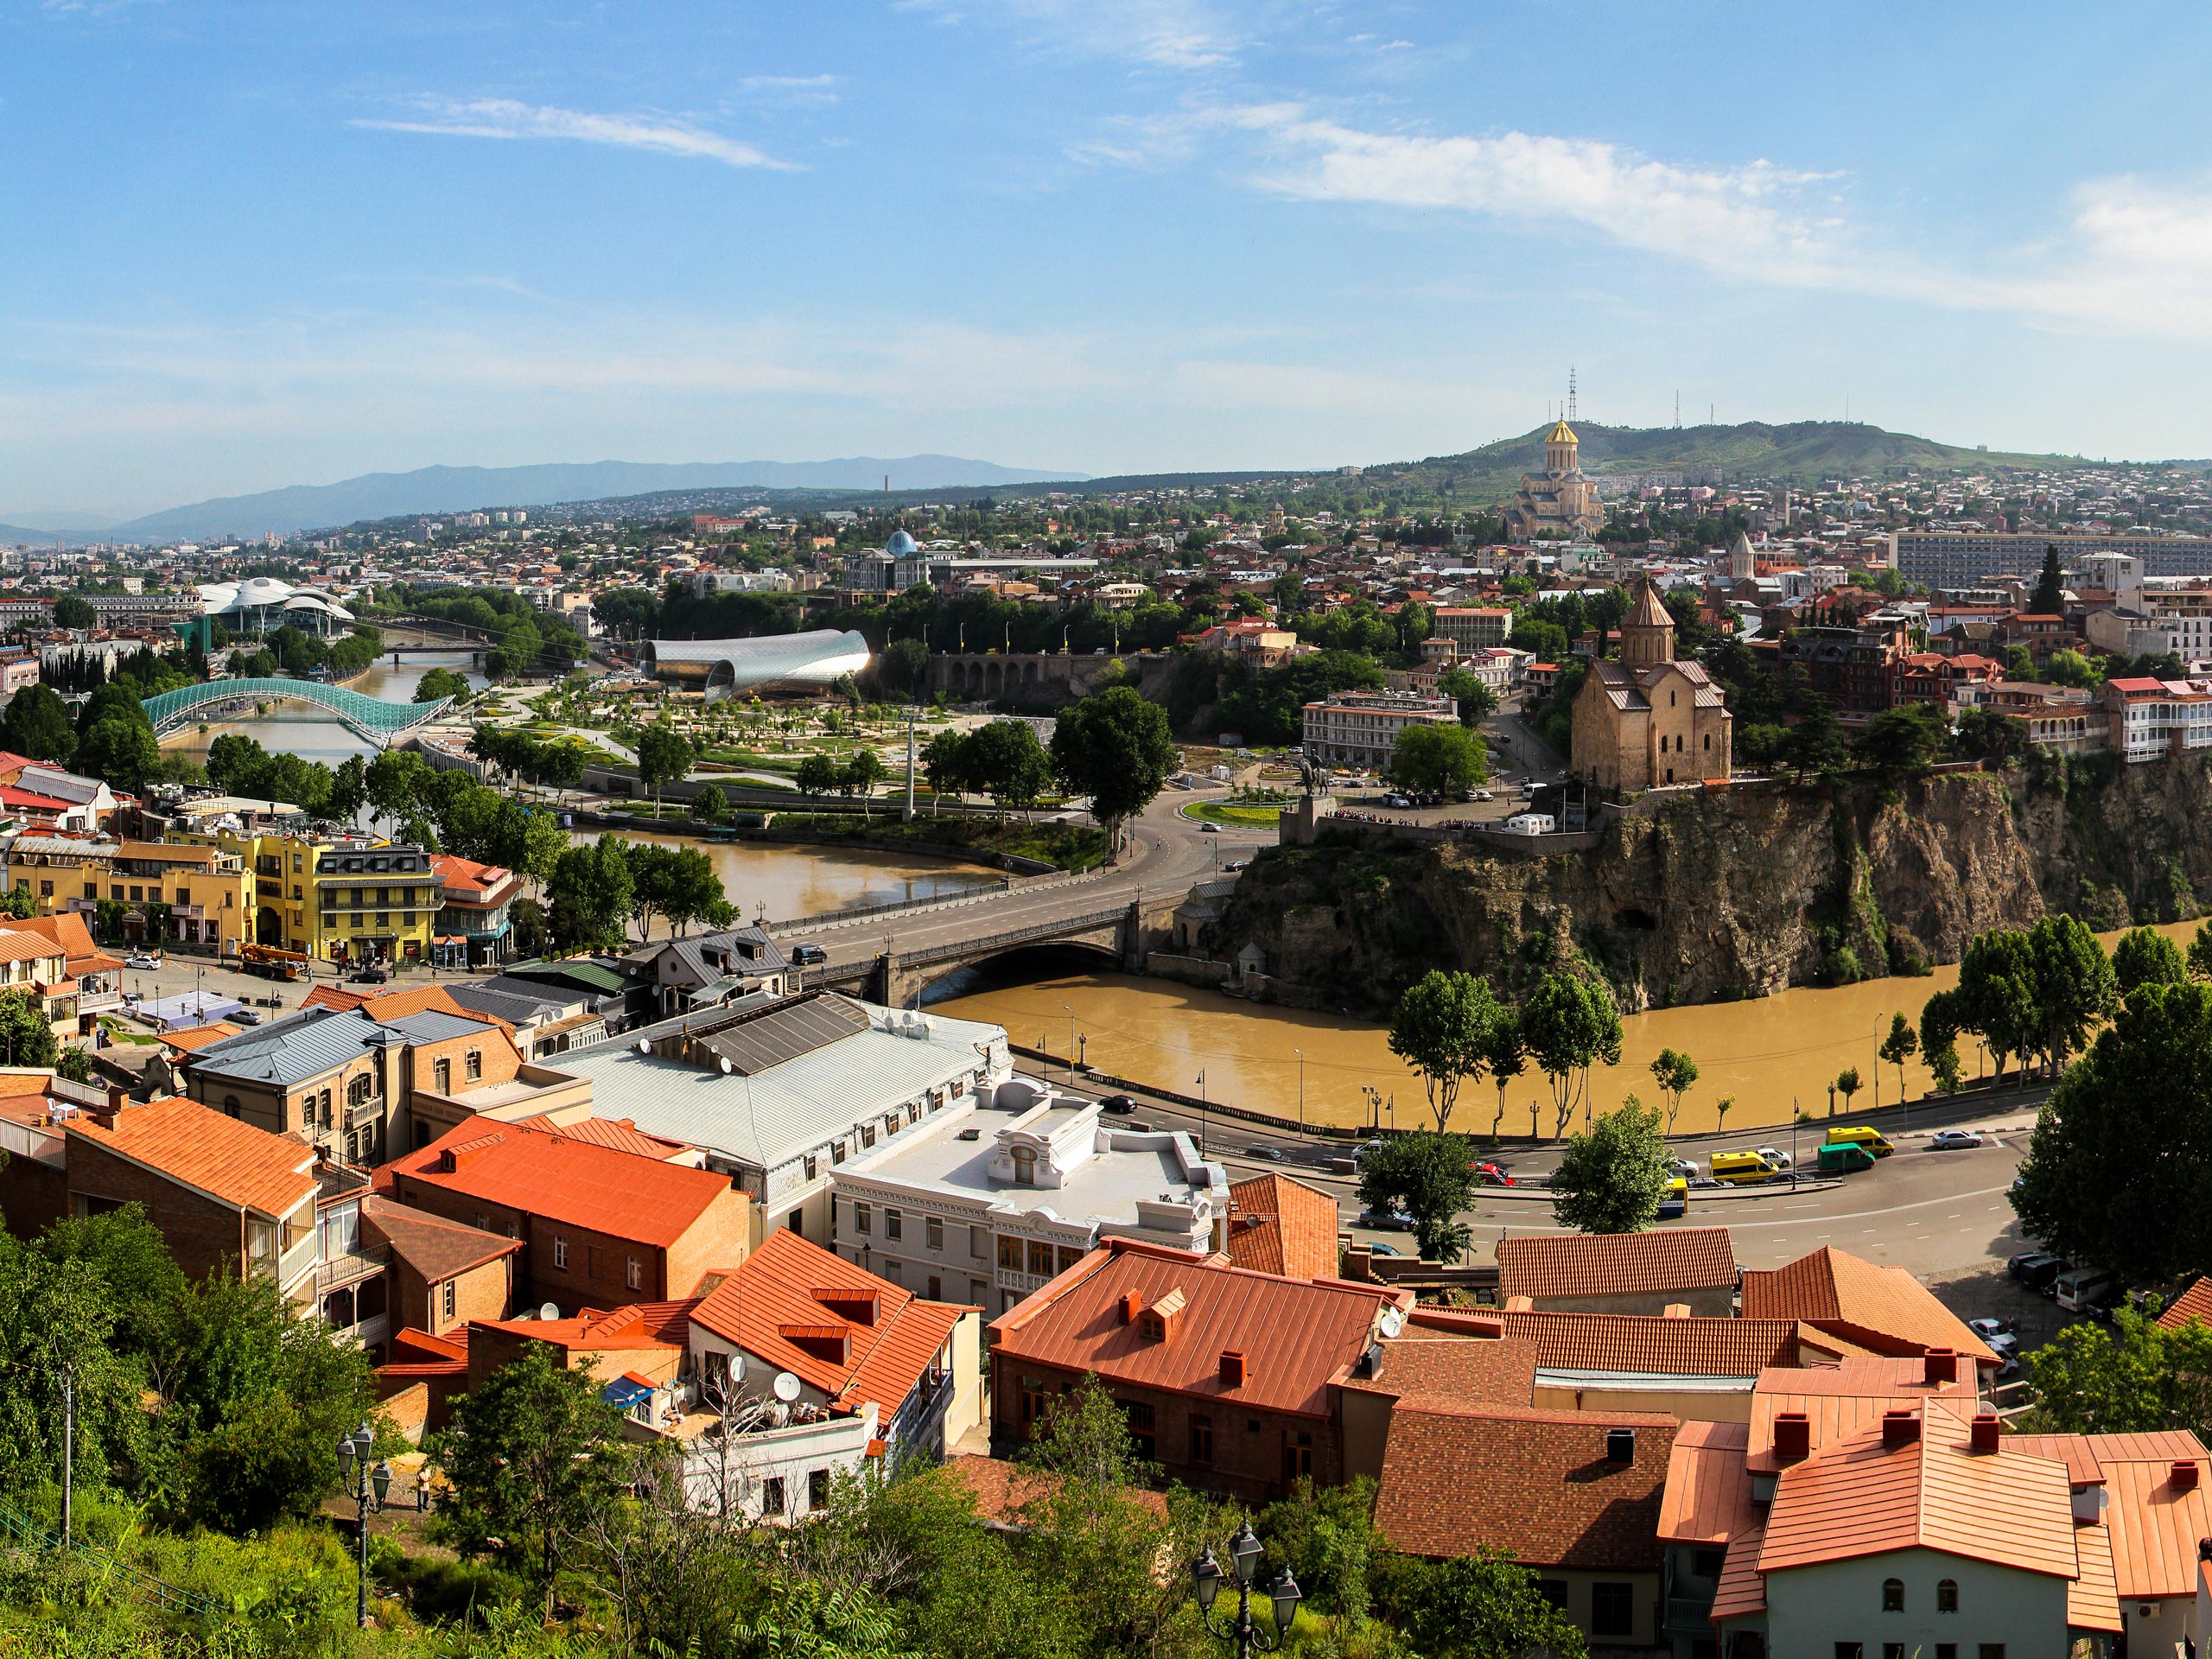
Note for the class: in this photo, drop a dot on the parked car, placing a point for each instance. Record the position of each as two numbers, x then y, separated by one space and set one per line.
1999 1338
143 959
1385 1221
246 1016
1705 1180
1230 865
2037 1269
1485 794
1684 1167
1379 1247
809 955
372 976
1119 1105
1271 1154
1365 1150
1952 1140
1780 1159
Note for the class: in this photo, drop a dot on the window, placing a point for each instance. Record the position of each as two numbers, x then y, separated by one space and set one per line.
1201 1439
937 1289
1851 1650
772 1496
231 1105
979 1243
837 1152
46 889
1024 1165
1947 1651
1990 1650
1069 1257
441 1076
1707 1563
633 1273
1893 1650
933 1233
561 1252
1893 1595
474 1070
1947 1595
1009 1254
867 1135
1139 1415
818 1492
1031 1397
445 1300
1553 1590
893 1225
888 1269
1613 1609
1297 1454
1040 1260
811 1165
976 1289
863 1218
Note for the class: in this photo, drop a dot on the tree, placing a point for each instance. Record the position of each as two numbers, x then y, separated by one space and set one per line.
1427 1174
2072 668
394 781
902 668
441 682
2200 952
37 724
1506 1056
2074 986
1115 748
817 775
665 755
678 883
1675 1074
1847 1084
2146 957
1898 1047
1476 701
1478 1607
539 848
70 612
122 751
588 897
861 773
1902 740
533 1454
1996 997
710 806
947 761
2049 596
2134 1379
1612 1175
1010 764
1721 1107
349 789
1816 743
1441 1027
1569 1024
1437 760
26 1037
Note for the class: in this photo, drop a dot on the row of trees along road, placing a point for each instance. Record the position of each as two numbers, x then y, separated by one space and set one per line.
1114 747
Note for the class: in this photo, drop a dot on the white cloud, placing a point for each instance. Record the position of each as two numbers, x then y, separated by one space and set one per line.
1164 34
502 117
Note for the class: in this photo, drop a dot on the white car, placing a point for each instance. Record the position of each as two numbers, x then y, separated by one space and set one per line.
1953 1140
141 959
1685 1167
1775 1159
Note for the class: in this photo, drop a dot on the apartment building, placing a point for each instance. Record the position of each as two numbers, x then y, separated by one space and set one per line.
473 920
2149 718
1472 628
346 900
1358 730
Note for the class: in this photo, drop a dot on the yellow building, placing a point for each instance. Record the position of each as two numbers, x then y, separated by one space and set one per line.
190 894
338 899
1559 498
1645 719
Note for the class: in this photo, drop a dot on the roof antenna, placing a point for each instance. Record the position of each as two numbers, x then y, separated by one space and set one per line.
1570 407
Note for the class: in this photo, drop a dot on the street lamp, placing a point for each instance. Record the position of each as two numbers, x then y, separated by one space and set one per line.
1207 1579
1070 1011
370 1487
1301 1086
1202 1114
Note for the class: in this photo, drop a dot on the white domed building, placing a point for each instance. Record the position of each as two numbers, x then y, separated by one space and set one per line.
261 605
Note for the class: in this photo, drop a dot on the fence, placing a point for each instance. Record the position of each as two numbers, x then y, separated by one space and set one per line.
15 1523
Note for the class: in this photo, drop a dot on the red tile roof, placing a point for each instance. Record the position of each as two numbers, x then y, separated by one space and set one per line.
1632 1342
67 929
1279 1225
1535 1483
434 1247
1426 1370
1598 1264
2195 1303
1884 1308
1296 1336
617 1193
788 1286
196 1146
1005 1490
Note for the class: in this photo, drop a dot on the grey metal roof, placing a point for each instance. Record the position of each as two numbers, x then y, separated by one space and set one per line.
314 1041
759 1042
517 1006
768 1119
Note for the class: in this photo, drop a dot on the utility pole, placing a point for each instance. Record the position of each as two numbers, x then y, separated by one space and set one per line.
69 1448
910 763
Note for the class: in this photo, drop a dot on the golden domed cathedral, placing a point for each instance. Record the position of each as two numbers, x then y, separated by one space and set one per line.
1560 498
1643 718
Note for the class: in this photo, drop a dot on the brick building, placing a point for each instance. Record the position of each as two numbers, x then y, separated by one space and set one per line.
1224 1375
1692 1268
599 1227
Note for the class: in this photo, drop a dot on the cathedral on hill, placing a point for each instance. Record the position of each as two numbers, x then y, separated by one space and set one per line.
1559 498
1644 718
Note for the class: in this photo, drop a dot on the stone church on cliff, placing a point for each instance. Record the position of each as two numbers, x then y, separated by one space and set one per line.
1644 718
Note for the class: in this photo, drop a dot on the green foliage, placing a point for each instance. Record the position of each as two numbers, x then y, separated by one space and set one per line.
1996 995
663 755
1898 1046
1427 1174
120 751
26 1037
1677 1075
2146 957
677 883
2132 1379
2074 986
1570 1022
2049 598
1442 1027
710 804
1115 748
441 682
1435 760
1816 743
1612 1177
1902 740
70 612
588 897
1268 705
1477 1606
1476 701
36 723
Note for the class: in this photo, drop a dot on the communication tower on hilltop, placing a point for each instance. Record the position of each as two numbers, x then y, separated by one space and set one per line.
1572 413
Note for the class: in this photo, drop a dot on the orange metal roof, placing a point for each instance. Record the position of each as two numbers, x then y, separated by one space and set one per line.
1534 1483
788 1283
1597 1264
1632 1342
398 1005
1840 1401
2092 1599
2195 1303
1861 1497
617 1193
619 1134
1296 1336
192 1040
1708 1487
2153 1528
1279 1225
196 1146
1742 1590
640 1325
1882 1307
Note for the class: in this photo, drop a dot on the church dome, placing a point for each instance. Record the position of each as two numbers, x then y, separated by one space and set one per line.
1562 433
902 545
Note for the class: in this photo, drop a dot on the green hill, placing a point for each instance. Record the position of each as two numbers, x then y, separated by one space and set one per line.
1804 451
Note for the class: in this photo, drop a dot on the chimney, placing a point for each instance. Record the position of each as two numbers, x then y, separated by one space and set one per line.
1675 1311
1899 1429
1232 1369
1131 1302
1987 1432
1793 1437
1620 1445
1519 1305
1941 1365
2183 1476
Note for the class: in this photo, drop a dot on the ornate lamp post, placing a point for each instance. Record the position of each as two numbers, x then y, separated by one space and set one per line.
1207 1579
369 1487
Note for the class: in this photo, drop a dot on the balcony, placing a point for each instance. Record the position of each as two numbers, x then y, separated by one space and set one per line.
359 1262
1688 1615
369 1111
297 1263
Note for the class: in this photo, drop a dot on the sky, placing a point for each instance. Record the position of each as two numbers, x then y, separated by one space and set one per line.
251 244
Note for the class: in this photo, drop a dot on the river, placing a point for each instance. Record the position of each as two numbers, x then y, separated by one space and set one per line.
1771 1055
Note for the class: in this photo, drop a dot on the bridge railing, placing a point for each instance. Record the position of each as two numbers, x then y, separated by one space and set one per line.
371 716
982 946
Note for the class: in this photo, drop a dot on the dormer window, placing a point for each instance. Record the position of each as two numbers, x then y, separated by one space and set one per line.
1024 1165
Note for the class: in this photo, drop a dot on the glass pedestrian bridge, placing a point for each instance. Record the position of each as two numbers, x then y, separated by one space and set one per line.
371 719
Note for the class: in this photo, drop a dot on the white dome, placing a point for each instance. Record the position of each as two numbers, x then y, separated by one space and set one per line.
265 590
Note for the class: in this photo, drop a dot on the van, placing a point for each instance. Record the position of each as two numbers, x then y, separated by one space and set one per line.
1741 1168
1677 1200
2078 1289
1842 1157
1872 1140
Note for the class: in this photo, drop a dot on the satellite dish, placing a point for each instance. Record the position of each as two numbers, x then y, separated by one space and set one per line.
787 1386
550 1311
737 1368
1392 1321
726 1067
643 1047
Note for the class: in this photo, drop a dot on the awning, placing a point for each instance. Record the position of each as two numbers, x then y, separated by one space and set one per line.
626 1392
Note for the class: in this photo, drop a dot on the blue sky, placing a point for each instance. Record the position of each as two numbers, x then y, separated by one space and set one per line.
243 245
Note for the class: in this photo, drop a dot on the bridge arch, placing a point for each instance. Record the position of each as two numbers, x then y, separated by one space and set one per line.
370 718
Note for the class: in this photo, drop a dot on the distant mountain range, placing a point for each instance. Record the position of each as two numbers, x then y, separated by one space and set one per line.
462 489
1804 450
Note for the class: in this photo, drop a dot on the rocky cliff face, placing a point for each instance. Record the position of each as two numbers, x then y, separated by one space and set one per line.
1736 893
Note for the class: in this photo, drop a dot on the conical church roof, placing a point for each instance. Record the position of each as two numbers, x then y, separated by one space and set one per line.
1648 612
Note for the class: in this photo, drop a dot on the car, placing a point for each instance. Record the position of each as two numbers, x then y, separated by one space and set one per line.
245 1016
370 975
1485 794
1489 1174
1987 1328
1366 1149
1779 1158
1229 866
1379 1247
1684 1167
1706 1180
809 955
2035 1268
1953 1140
142 959
1119 1105
1271 1154
1385 1221
1208 827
